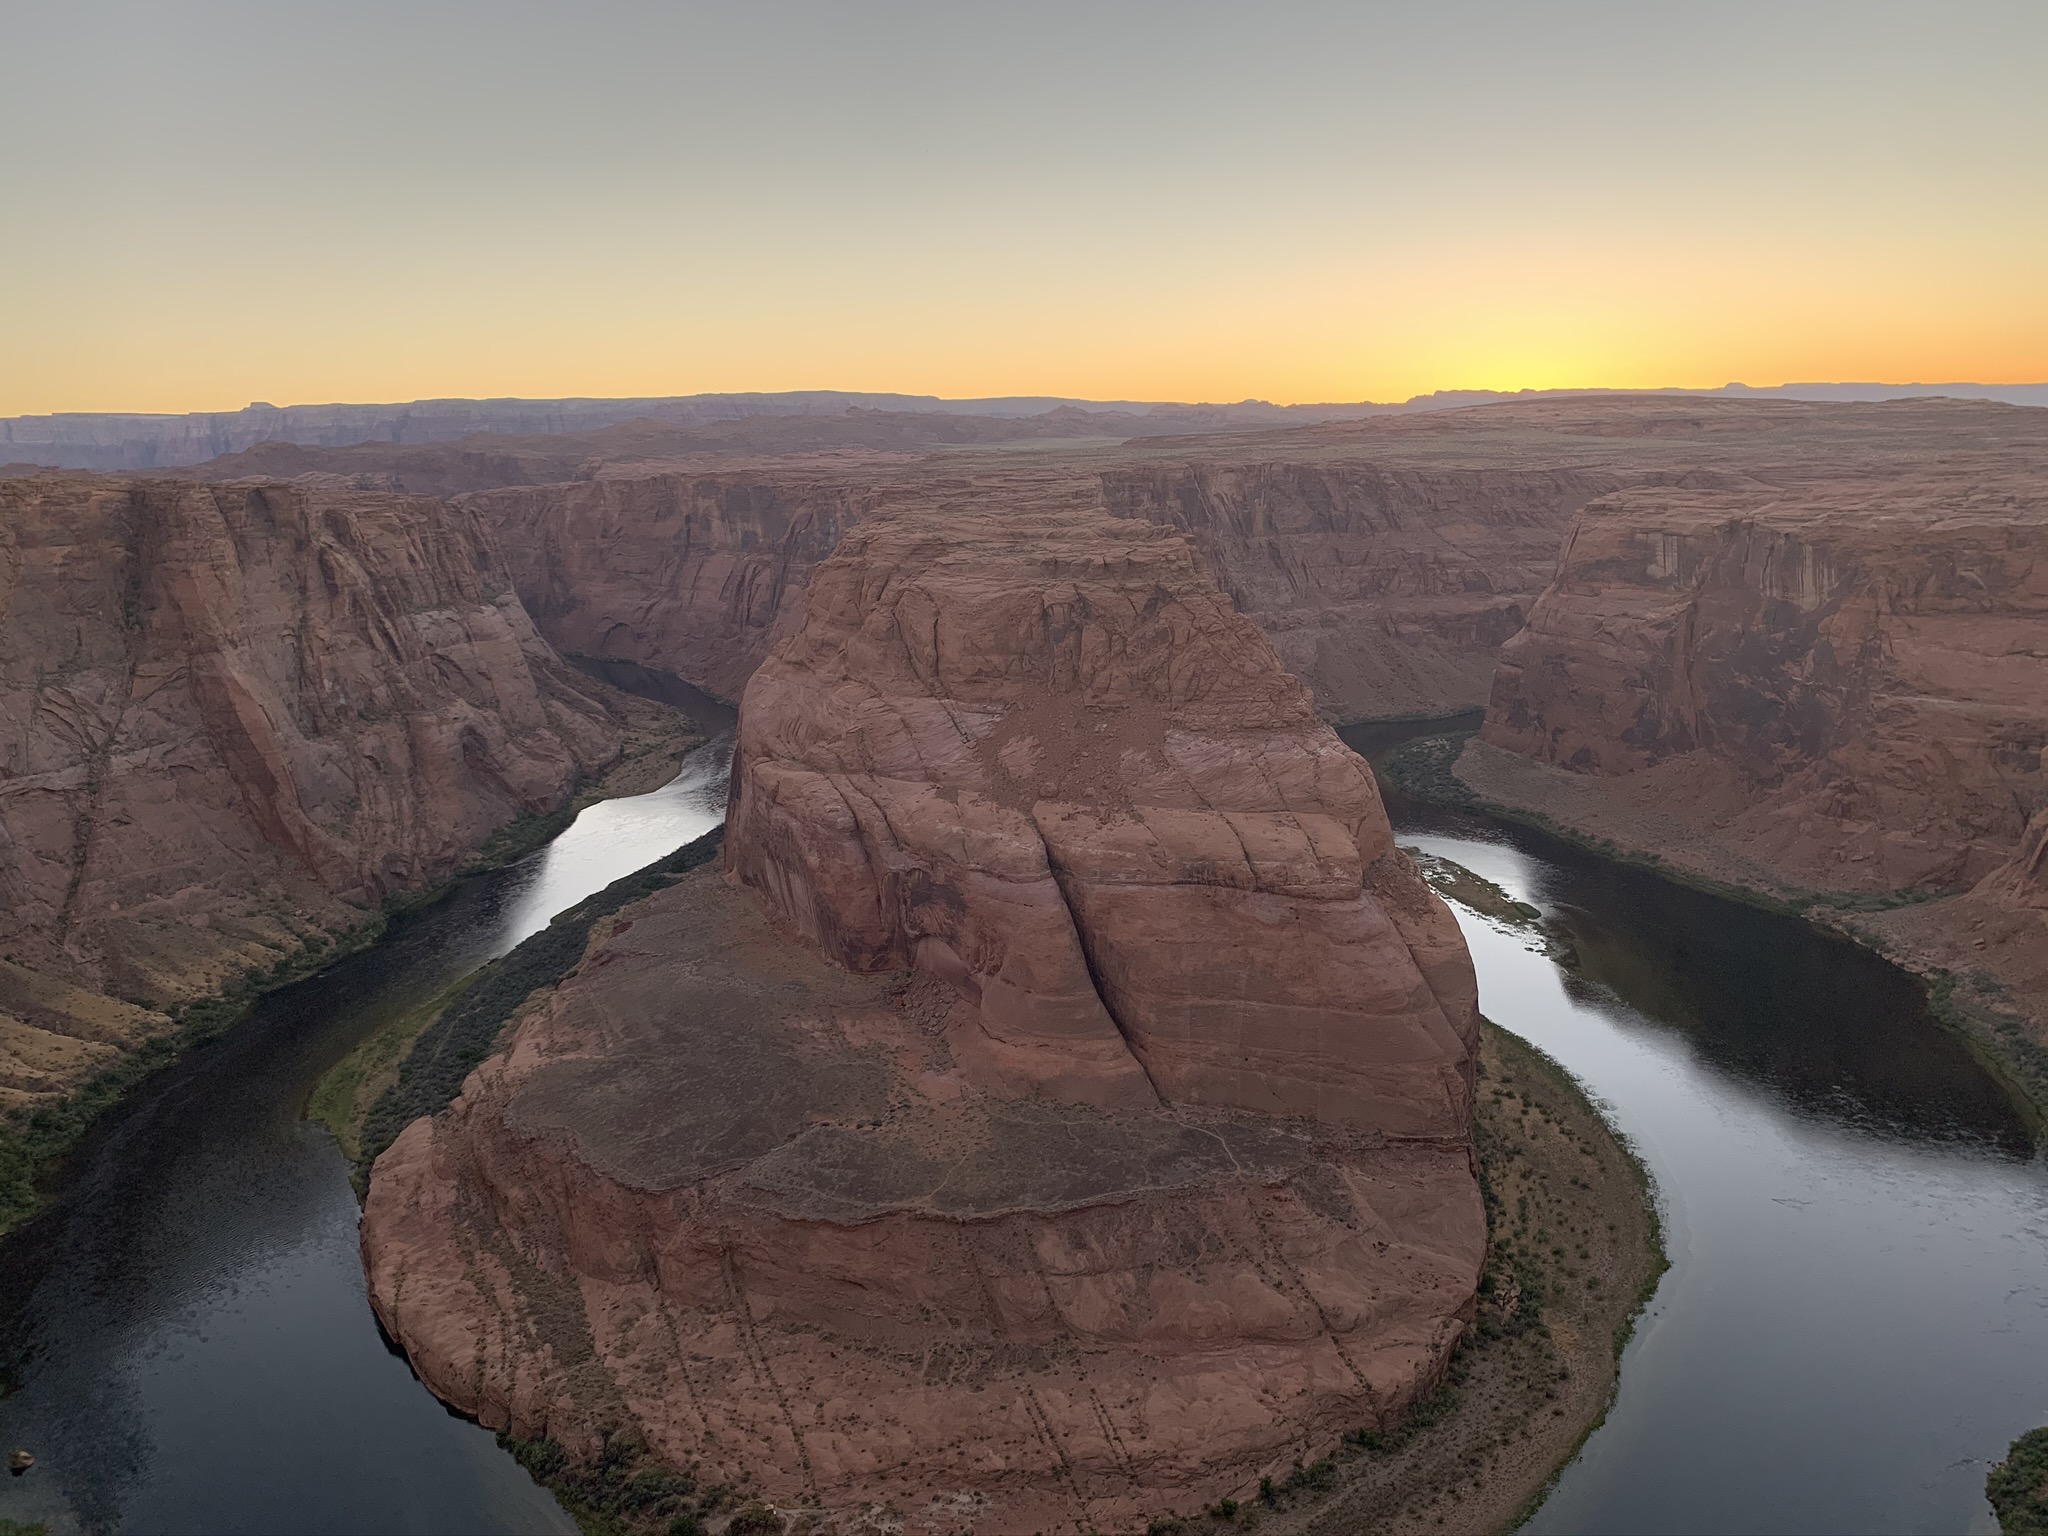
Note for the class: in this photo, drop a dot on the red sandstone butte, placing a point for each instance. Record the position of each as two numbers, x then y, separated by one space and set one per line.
1058 1115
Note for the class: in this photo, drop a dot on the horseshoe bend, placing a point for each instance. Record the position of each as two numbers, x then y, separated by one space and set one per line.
1056 1098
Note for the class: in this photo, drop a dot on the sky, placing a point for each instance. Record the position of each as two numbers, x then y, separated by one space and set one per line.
209 204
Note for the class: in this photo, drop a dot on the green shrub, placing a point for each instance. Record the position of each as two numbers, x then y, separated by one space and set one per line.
2018 1486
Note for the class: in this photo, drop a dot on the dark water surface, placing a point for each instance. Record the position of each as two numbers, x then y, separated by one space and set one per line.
184 1339
1855 1323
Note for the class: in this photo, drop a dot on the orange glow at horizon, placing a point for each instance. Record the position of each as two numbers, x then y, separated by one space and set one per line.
1321 203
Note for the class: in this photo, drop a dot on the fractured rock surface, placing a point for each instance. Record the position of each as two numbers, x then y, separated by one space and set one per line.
1042 757
230 710
1060 1111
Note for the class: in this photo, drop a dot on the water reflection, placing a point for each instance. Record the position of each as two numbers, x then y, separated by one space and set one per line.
616 837
184 1337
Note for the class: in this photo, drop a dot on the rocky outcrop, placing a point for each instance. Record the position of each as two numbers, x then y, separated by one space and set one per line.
1848 679
233 716
1059 1114
1043 758
1387 588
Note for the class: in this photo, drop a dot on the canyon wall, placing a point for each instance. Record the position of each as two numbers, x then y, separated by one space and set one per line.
1388 587
695 573
1044 758
1849 680
234 716
1058 1115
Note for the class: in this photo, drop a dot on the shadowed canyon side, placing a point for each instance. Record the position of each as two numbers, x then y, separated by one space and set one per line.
235 716
1389 588
1386 584
1060 1113
1832 681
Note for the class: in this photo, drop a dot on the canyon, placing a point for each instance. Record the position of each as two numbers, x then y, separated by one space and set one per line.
1061 996
236 718
1059 1111
1823 678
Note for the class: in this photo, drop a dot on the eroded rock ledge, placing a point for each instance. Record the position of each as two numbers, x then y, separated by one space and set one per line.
1061 1154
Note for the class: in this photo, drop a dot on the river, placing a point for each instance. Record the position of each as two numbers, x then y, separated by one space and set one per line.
185 1341
1855 1322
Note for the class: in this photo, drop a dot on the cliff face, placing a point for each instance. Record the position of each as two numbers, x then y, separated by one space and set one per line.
1045 759
1849 679
1388 588
229 711
1060 1114
694 573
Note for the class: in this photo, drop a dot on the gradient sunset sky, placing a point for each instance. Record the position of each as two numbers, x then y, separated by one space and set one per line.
213 204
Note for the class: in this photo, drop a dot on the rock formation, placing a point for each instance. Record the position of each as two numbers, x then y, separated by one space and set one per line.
1043 758
1386 580
697 573
1059 1115
230 712
1815 658
1849 679
1389 586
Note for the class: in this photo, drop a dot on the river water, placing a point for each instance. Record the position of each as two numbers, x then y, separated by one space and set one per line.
1855 1322
185 1342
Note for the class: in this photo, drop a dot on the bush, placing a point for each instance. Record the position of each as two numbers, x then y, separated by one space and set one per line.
2018 1486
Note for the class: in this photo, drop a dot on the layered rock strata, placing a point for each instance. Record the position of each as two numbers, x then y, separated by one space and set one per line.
1044 758
234 716
1850 682
1389 587
1059 1114
1833 680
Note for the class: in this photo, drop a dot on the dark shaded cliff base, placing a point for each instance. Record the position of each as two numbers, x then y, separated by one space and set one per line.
1985 959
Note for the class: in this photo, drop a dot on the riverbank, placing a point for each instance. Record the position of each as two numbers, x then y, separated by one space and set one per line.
35 1137
1576 1251
1985 966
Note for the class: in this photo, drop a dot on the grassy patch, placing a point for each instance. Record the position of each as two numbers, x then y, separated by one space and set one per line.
2018 1486
624 1492
342 1099
463 1033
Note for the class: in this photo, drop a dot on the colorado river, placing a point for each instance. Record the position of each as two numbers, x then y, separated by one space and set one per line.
184 1337
1855 1322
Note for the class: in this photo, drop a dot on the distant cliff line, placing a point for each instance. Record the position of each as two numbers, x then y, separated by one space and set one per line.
114 440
